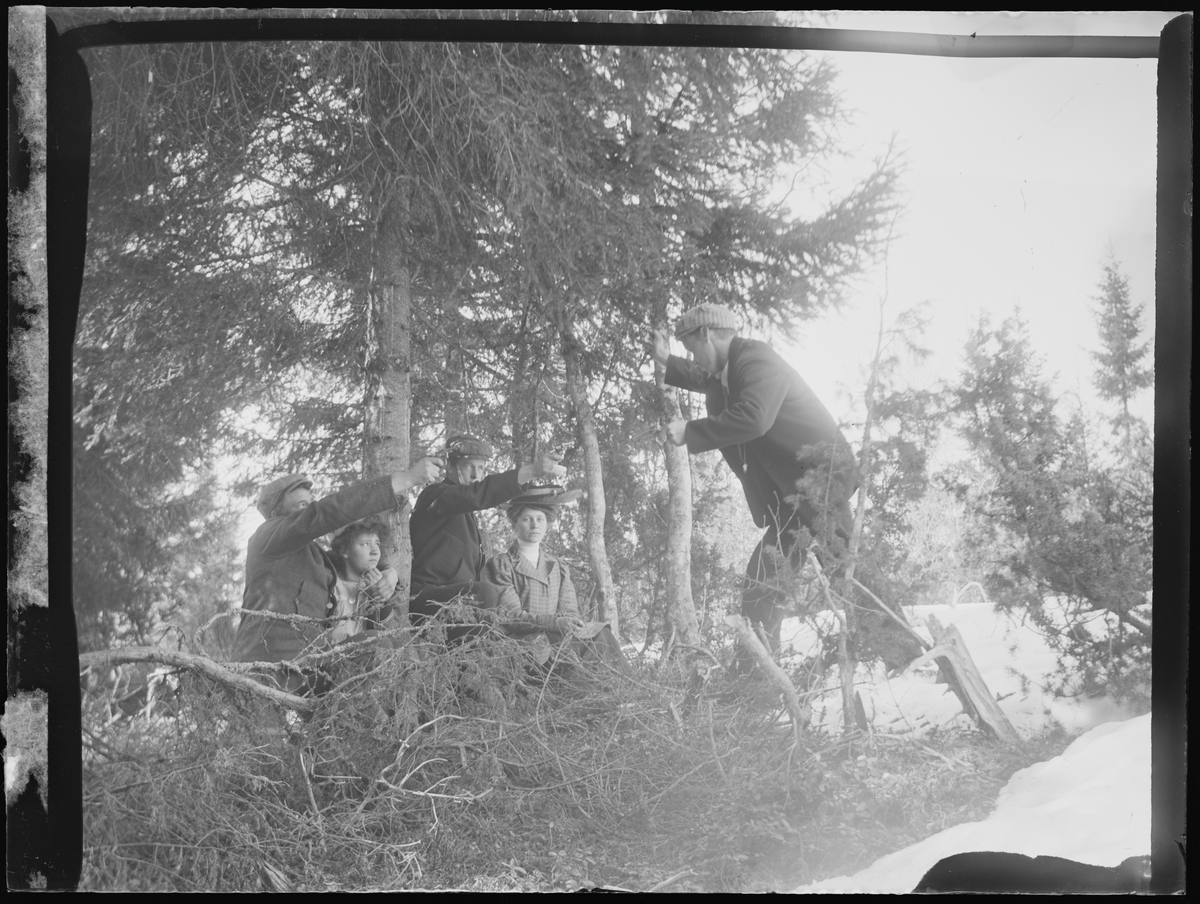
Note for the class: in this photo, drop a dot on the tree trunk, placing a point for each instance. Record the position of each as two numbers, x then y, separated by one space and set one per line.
950 652
606 591
388 394
681 608
847 663
456 397
522 414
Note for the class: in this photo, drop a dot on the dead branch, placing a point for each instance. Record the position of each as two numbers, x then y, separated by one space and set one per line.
745 633
673 879
896 618
202 664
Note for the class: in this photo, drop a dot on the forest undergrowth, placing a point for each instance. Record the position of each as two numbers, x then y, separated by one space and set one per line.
429 767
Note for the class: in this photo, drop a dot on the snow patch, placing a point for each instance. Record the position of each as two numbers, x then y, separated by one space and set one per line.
1091 804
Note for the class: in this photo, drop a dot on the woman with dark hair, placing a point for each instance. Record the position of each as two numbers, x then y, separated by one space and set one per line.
361 588
537 598
449 549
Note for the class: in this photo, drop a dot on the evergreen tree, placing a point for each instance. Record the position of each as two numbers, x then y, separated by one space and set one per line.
1066 550
1121 372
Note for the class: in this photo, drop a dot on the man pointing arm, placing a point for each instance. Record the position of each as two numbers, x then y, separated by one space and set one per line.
289 574
448 547
772 430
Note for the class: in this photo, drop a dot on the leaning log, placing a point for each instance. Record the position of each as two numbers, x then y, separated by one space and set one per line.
801 716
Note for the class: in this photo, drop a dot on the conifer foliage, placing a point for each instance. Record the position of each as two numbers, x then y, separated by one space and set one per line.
1067 519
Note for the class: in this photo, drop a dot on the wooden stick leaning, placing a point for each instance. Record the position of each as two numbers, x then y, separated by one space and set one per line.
801 716
924 644
951 650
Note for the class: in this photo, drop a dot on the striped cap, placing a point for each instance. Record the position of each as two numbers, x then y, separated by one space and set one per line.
466 446
716 316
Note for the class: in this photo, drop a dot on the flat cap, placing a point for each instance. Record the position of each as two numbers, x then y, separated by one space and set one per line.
716 316
466 446
269 496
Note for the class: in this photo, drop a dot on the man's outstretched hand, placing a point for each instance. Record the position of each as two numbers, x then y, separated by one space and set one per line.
675 432
546 465
426 470
660 346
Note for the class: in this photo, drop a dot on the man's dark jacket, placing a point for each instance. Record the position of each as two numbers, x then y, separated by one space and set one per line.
287 573
770 427
446 543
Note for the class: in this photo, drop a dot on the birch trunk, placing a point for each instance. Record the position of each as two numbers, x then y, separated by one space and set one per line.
609 609
681 608
388 394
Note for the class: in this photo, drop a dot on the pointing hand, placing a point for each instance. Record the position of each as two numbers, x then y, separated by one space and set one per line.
675 432
427 470
548 466
660 346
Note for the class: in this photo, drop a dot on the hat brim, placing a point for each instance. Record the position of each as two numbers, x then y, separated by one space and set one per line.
552 499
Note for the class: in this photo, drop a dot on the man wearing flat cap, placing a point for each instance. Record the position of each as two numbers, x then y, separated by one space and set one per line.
287 573
448 547
772 431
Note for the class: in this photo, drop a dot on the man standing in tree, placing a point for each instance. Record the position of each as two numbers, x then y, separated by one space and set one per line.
774 432
288 574
448 548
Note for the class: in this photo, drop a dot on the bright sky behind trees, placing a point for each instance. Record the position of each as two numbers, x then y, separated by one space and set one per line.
1021 175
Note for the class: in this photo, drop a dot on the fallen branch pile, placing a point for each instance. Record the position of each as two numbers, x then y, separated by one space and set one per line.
418 753
467 767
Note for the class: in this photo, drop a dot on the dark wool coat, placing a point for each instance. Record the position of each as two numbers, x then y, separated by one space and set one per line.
446 543
287 573
761 426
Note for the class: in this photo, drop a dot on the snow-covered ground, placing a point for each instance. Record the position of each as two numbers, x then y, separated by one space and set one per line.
1091 804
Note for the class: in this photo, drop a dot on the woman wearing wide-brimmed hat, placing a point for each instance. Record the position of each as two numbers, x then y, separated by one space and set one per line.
537 598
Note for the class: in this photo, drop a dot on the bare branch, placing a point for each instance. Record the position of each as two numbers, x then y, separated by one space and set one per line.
202 664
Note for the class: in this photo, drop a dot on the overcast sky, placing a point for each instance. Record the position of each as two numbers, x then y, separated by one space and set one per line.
1020 175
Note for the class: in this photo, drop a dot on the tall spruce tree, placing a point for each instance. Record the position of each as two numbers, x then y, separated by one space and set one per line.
1121 369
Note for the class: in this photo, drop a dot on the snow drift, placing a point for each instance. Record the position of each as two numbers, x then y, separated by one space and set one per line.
1091 804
